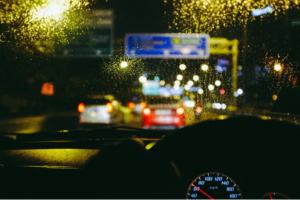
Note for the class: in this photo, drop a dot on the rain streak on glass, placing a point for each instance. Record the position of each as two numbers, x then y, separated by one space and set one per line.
206 15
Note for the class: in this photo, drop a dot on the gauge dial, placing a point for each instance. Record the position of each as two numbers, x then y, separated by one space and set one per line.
274 195
213 185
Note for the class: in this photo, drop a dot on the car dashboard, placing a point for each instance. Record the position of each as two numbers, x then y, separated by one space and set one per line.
234 158
259 158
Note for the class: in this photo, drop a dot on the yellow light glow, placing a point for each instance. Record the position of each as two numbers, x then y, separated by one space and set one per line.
150 145
277 67
222 117
40 21
177 83
162 83
265 117
115 103
207 15
124 64
274 97
51 157
53 9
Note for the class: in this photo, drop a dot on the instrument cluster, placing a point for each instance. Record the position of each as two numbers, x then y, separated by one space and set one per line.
215 185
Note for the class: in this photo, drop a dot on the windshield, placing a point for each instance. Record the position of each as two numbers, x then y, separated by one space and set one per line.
71 65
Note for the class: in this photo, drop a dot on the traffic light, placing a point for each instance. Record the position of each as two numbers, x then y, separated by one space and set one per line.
222 91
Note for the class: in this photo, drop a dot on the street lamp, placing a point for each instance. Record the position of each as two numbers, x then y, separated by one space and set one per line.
187 87
200 91
182 67
52 10
218 83
196 78
142 79
124 64
211 87
204 67
277 67
240 91
179 77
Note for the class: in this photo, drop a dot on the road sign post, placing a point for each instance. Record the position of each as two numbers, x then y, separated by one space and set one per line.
95 38
224 46
187 46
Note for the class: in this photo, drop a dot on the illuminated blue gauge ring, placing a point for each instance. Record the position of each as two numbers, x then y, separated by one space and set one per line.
213 185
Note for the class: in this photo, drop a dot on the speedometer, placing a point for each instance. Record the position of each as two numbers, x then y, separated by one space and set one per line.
213 185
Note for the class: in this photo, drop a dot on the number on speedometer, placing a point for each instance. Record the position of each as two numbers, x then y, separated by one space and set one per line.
213 185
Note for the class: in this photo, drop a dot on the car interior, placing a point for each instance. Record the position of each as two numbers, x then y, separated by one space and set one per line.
259 156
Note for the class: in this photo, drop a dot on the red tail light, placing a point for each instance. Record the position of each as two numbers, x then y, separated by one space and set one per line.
179 111
81 107
109 107
147 111
198 109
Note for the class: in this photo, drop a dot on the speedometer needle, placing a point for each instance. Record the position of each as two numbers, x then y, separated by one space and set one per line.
202 191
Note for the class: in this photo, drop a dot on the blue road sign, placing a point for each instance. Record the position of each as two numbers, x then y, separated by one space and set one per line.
190 46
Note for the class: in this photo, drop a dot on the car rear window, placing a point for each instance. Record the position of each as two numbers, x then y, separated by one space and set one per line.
161 100
95 101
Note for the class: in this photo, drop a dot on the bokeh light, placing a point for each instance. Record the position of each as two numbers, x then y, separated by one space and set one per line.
277 67
187 87
222 91
204 67
124 64
179 77
142 79
200 91
218 83
195 78
41 20
177 83
190 83
240 91
182 67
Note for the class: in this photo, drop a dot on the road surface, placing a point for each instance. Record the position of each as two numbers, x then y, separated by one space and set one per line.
70 121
